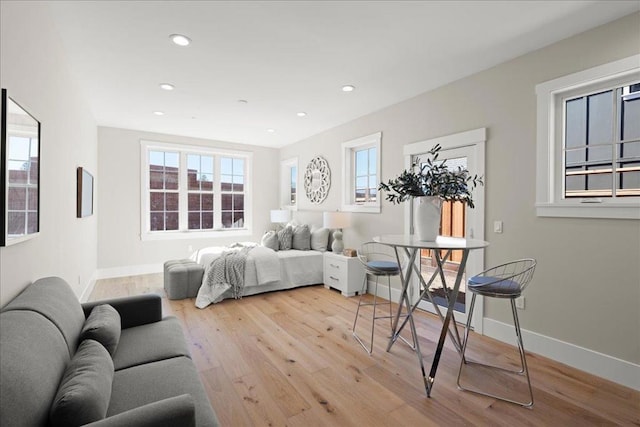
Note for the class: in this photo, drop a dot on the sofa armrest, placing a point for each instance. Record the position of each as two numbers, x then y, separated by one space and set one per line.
174 411
134 311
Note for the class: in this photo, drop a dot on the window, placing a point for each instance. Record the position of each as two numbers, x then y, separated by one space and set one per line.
601 147
588 160
289 183
22 186
193 191
293 184
366 188
361 174
200 197
232 192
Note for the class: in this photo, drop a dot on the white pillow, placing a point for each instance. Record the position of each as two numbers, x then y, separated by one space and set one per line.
319 239
270 240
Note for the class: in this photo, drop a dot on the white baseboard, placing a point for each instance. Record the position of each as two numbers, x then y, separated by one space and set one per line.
87 291
382 290
599 364
130 270
605 366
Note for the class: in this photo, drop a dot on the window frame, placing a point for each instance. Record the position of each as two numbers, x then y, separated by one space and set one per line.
550 201
349 150
183 231
285 183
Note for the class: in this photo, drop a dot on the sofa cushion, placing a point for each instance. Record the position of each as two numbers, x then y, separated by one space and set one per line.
301 239
53 298
33 356
150 343
174 411
103 325
150 382
85 390
284 238
270 240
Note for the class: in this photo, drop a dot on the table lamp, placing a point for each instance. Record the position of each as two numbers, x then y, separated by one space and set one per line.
337 220
280 216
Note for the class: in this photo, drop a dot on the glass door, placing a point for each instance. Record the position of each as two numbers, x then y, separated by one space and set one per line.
456 222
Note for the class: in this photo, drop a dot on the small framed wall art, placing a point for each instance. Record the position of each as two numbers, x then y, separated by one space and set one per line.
84 193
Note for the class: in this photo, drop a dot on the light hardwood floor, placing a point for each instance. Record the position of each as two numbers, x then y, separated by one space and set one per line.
288 359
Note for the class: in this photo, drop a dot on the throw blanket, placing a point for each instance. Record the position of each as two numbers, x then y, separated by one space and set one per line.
224 272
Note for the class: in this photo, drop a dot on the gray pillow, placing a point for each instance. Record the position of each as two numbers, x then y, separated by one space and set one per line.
270 240
284 238
301 238
85 390
320 239
103 325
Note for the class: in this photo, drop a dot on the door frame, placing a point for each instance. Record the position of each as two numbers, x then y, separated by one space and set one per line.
474 141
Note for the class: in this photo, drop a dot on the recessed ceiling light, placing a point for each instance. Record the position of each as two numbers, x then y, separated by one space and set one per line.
348 88
271 130
167 86
159 113
302 114
180 40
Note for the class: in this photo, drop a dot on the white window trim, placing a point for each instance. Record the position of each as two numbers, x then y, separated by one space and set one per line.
348 165
285 187
183 233
549 200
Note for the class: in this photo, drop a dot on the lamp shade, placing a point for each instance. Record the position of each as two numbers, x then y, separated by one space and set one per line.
280 215
336 219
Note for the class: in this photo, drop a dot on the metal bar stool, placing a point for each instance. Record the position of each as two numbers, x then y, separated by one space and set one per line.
504 281
378 260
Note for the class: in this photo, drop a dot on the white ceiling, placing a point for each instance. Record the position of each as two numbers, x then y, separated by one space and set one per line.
291 56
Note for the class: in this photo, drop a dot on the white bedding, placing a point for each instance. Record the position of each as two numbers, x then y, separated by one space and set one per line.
268 270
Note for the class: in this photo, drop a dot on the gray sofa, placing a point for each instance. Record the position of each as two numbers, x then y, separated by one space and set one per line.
155 382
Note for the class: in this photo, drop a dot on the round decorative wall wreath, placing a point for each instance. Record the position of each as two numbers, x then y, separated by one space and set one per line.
317 180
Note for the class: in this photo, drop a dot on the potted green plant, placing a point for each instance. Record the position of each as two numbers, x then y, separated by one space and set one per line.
428 184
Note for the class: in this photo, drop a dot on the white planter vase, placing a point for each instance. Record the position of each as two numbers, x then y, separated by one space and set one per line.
426 217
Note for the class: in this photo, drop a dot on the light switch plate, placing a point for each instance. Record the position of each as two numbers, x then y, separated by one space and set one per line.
497 226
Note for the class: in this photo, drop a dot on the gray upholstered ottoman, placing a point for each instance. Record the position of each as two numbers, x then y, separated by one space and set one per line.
182 278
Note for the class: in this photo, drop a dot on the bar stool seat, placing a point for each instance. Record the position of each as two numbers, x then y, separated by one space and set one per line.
495 287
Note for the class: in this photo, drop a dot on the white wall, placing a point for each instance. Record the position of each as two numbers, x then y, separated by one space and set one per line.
120 250
586 289
32 69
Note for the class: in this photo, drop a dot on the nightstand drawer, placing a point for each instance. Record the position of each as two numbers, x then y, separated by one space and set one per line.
335 272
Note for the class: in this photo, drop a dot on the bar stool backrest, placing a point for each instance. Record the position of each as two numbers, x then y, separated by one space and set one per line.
514 274
378 259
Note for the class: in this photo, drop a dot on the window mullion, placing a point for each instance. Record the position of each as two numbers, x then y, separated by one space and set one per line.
614 142
183 193
217 199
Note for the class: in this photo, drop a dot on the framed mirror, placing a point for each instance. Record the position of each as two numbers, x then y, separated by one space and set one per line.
19 173
317 180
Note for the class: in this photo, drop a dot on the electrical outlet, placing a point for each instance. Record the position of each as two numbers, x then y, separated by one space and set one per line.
497 226
520 303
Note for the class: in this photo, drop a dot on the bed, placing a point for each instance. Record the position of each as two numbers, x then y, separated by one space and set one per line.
266 270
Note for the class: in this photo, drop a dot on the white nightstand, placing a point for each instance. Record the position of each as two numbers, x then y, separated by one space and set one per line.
343 273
